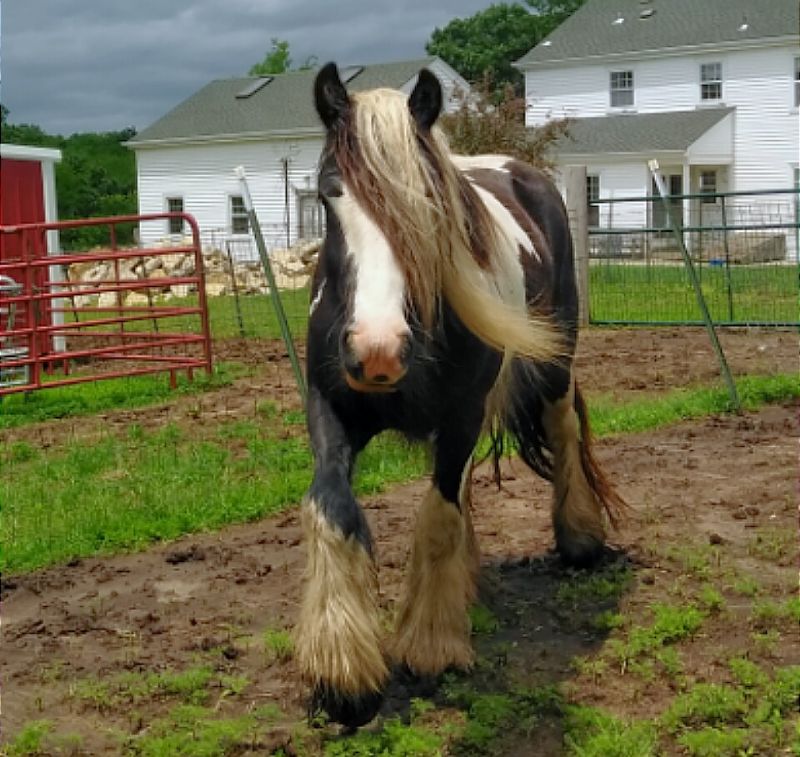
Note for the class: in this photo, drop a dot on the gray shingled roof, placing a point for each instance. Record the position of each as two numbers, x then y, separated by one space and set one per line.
648 132
285 104
590 31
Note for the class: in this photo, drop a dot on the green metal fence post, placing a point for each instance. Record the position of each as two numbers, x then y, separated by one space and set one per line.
728 282
698 290
255 227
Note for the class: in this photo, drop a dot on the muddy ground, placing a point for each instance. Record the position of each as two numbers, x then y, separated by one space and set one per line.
729 482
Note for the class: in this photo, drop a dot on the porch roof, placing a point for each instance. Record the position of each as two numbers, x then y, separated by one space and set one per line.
645 134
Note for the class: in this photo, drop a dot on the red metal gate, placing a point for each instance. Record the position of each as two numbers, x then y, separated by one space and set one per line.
57 328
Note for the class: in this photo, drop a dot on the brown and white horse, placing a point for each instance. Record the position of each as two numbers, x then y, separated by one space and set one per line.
443 304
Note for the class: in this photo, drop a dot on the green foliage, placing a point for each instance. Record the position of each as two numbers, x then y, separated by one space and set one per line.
279 644
278 60
482 620
191 731
706 704
592 733
394 740
713 742
494 122
488 43
190 686
607 583
30 740
95 178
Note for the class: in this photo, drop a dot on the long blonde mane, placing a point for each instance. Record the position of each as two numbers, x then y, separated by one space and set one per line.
443 235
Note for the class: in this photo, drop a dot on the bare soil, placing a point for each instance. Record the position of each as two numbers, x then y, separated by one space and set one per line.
730 482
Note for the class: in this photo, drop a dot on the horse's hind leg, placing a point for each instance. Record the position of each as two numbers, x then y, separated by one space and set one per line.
581 492
433 625
338 635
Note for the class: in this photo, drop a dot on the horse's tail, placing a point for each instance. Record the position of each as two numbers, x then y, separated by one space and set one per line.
606 495
517 410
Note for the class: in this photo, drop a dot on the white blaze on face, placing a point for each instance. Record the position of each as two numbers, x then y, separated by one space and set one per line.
378 317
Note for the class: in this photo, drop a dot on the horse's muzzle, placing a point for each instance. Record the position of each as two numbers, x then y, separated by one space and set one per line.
375 363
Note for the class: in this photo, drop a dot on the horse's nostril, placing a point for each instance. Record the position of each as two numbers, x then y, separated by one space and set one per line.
381 378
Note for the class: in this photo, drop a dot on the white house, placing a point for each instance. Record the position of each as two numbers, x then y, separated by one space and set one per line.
185 160
710 89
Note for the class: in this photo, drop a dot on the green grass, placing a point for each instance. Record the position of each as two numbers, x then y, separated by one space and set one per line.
609 417
255 316
122 493
662 293
101 396
593 733
278 644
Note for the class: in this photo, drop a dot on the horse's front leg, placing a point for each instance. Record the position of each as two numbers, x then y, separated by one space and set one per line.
338 644
433 630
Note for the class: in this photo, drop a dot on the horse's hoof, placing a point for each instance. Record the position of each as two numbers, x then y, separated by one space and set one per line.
351 711
580 551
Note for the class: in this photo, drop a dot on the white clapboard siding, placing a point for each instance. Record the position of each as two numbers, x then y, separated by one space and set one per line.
758 82
203 175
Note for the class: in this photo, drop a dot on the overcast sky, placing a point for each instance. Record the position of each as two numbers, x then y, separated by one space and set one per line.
102 65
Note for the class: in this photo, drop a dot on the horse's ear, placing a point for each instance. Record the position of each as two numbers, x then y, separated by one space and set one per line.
425 102
330 96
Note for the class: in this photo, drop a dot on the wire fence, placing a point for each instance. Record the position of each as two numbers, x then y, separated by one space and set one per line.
744 247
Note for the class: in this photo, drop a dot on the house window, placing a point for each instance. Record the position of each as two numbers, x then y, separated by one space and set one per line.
592 195
240 223
708 186
175 225
797 82
711 81
621 89
310 223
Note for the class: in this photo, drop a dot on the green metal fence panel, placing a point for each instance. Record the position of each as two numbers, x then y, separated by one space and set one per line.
744 247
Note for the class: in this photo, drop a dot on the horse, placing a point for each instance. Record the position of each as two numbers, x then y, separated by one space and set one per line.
443 306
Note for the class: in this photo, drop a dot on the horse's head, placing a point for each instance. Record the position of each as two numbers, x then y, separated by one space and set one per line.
372 146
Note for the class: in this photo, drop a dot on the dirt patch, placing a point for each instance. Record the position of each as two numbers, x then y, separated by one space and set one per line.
620 363
727 483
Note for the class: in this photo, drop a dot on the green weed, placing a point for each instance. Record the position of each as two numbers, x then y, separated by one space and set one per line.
482 620
592 733
605 584
278 644
30 740
714 742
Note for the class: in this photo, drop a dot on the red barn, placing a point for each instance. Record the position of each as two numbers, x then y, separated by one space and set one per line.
27 195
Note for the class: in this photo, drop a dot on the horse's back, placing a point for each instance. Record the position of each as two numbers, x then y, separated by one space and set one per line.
529 192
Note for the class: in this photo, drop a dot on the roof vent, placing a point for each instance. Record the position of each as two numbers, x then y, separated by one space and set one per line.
618 20
647 13
253 87
744 26
350 73
547 43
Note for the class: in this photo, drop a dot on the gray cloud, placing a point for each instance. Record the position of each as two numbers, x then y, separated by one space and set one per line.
97 65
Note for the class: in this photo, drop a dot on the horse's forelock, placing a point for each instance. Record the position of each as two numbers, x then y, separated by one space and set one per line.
407 183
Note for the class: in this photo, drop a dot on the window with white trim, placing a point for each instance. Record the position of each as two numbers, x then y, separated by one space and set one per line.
310 218
621 89
240 223
175 225
708 186
710 81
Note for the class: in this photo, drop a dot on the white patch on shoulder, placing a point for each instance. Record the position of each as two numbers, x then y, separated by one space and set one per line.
508 226
317 297
493 162
379 291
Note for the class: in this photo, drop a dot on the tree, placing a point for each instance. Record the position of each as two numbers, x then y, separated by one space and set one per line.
485 125
491 40
279 61
554 12
488 43
276 61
